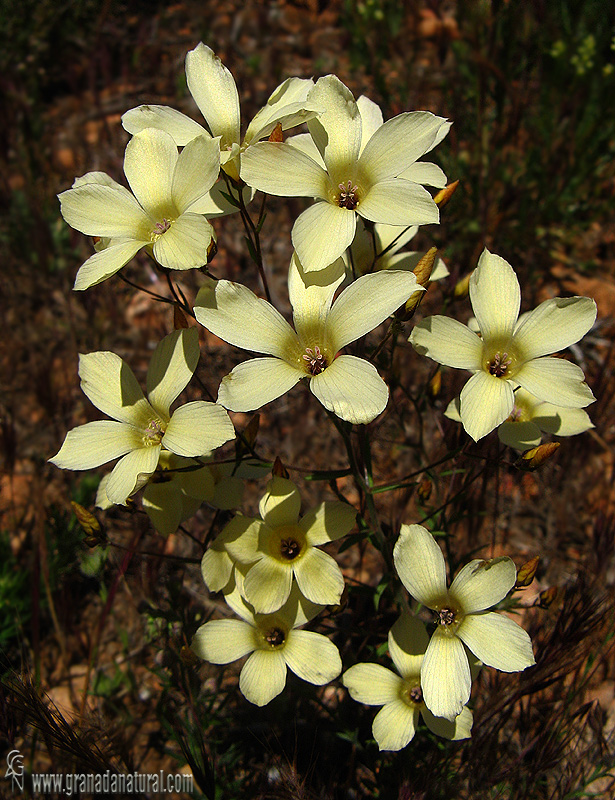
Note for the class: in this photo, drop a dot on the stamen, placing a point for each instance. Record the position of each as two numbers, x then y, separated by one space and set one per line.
154 432
348 196
162 227
289 548
275 637
499 365
316 362
446 616
416 695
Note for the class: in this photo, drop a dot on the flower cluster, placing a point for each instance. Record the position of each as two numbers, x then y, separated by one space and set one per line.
347 276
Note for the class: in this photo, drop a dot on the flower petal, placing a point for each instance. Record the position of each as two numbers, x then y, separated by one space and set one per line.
215 204
131 473
445 676
163 504
223 307
366 303
224 640
95 443
420 565
319 577
554 325
481 584
214 92
399 143
337 131
398 202
257 382
311 295
328 522
149 163
216 568
562 421
459 728
408 642
112 387
447 341
371 118
186 244
497 641
495 296
352 389
485 402
178 125
281 503
312 657
196 172
280 169
372 684
287 105
267 585
394 725
105 210
197 428
321 234
520 435
425 173
240 539
263 676
172 365
105 263
556 381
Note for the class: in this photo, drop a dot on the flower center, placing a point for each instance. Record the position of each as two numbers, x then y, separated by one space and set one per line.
154 432
287 543
316 361
411 692
499 364
162 227
446 617
348 196
275 637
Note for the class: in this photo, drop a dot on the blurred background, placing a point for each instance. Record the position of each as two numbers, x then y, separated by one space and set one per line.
530 87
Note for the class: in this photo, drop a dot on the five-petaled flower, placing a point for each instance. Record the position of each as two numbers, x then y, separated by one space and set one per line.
362 167
273 642
462 619
159 215
401 695
214 91
348 386
531 417
142 428
510 351
279 547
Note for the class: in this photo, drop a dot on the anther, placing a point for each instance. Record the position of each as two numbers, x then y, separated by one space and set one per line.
316 362
348 196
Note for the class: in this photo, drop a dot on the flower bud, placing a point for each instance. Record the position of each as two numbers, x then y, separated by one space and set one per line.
94 534
276 134
279 470
462 287
526 573
444 195
536 457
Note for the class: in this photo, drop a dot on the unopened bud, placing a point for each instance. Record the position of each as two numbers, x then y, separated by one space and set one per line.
423 491
212 250
546 598
444 195
435 384
276 134
424 268
245 442
526 573
462 287
94 534
536 457
279 470
179 318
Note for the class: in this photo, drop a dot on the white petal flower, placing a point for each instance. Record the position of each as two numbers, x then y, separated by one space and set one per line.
144 427
363 168
510 350
214 91
159 215
280 547
530 418
462 618
273 642
348 386
401 695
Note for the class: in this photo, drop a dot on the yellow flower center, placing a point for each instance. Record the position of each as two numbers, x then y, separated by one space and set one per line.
287 543
411 692
448 619
154 432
